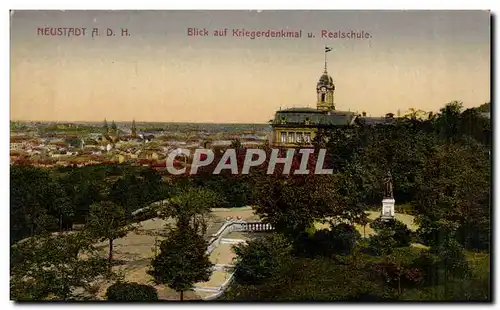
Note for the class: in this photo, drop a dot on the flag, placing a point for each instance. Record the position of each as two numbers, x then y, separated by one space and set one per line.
328 49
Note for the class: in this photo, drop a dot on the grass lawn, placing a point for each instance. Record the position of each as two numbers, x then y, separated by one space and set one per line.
373 215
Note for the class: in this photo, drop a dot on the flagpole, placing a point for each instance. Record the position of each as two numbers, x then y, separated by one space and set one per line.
325 59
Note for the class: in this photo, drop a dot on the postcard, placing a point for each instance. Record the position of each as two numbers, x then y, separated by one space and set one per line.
250 155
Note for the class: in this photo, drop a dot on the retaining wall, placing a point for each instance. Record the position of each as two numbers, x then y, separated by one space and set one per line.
218 238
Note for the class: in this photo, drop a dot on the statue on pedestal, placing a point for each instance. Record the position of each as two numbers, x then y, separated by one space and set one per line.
388 199
388 186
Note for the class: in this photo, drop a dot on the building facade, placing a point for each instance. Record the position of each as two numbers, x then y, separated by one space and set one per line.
299 126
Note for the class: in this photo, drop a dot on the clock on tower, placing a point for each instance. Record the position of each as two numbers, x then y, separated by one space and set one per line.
325 89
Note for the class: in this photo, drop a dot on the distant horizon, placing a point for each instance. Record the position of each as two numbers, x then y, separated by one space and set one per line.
136 121
218 123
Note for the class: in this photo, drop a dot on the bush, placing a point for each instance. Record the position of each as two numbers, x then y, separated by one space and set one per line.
382 243
318 279
378 224
121 291
396 274
401 233
303 245
260 259
428 265
452 259
405 209
443 263
340 239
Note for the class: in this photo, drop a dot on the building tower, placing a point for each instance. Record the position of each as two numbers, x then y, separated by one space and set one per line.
134 129
114 131
325 89
105 127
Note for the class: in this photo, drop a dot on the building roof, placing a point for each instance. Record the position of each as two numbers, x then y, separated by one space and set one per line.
319 118
326 80
301 110
313 117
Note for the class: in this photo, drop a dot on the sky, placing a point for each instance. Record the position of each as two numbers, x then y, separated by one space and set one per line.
156 72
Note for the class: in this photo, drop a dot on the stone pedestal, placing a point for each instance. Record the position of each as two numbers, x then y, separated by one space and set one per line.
388 208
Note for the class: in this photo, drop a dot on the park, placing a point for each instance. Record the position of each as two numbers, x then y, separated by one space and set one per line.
405 216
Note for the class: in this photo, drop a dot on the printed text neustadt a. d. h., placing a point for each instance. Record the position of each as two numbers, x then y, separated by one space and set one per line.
81 32
281 33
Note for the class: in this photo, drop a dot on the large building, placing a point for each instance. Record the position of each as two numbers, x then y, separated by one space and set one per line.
299 126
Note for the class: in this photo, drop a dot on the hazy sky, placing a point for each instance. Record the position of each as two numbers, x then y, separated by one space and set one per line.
414 59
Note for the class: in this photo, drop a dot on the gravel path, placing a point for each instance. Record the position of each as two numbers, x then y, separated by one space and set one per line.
135 251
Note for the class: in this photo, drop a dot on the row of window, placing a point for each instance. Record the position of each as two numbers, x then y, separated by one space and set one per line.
306 121
295 137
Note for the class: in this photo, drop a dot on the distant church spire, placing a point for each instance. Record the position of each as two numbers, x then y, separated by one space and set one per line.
134 129
105 127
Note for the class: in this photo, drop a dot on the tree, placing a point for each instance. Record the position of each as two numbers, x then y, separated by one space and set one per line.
191 207
342 144
260 259
339 239
293 203
401 233
121 291
397 274
415 114
36 202
182 260
364 220
473 124
108 221
433 232
427 264
383 243
485 107
448 121
452 259
85 186
235 144
54 267
127 191
455 190
62 208
137 189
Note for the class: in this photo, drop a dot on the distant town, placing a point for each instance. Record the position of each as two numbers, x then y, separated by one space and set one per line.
48 144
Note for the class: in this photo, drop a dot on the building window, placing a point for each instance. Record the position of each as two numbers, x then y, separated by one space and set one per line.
283 120
291 137
307 122
322 97
298 137
283 137
308 137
